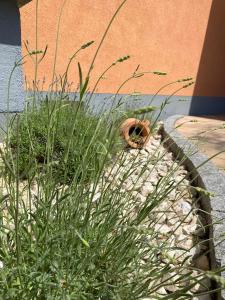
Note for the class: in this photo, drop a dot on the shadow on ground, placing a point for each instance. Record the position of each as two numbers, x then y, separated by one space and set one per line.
211 73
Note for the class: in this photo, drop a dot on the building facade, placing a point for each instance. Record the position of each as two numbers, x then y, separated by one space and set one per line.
181 37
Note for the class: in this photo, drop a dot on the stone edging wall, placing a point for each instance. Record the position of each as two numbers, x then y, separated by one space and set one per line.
206 176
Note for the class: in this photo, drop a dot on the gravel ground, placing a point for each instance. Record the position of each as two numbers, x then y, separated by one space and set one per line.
176 219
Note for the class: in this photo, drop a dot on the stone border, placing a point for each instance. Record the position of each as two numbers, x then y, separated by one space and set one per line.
208 177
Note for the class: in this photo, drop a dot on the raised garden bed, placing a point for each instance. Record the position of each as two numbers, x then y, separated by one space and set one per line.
161 210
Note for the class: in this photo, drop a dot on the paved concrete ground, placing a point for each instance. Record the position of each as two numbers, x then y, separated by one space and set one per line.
208 133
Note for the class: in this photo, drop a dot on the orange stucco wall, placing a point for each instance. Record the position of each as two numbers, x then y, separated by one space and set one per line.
165 35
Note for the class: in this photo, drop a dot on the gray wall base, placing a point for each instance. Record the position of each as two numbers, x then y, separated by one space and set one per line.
185 105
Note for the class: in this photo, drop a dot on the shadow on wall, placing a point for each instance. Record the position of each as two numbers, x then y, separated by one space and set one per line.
10 51
20 3
10 32
209 92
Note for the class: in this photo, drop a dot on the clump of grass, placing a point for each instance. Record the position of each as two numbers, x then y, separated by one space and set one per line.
60 243
61 130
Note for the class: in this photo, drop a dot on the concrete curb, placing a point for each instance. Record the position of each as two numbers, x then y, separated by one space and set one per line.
206 176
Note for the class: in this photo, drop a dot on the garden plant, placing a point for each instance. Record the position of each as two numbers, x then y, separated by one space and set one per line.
71 228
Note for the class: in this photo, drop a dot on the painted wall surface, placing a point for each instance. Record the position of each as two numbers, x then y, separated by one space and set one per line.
165 35
10 51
